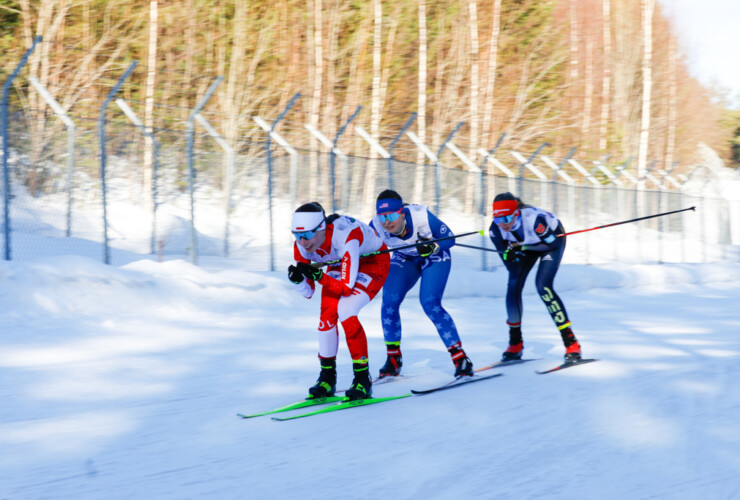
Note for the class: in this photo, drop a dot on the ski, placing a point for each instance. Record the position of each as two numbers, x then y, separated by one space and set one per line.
294 406
504 363
342 406
456 383
567 364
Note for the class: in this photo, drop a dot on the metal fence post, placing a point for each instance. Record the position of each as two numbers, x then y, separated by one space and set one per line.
641 201
333 152
369 187
438 168
290 150
101 130
393 145
230 155
4 119
155 165
558 170
332 161
484 196
269 178
419 178
190 133
59 111
543 179
681 194
523 165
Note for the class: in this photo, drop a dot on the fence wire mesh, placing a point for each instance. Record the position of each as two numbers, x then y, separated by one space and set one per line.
53 210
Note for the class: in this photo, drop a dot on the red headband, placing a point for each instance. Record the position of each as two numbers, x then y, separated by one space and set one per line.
504 207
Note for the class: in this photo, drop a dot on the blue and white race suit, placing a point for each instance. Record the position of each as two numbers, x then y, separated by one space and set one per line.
407 266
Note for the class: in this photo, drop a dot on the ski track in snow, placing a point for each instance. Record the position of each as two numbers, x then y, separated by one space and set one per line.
124 382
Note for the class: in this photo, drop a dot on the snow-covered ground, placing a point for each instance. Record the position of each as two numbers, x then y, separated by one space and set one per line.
124 383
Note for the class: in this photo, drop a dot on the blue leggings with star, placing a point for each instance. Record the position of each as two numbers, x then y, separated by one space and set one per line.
405 272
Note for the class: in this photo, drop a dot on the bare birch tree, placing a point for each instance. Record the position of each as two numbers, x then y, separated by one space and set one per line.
574 59
151 78
672 102
375 106
440 66
588 92
488 95
606 76
315 107
47 24
73 79
329 119
626 63
474 79
421 121
648 7
229 97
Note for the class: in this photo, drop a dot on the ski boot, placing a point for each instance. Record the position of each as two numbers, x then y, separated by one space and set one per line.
393 364
572 352
463 365
513 352
362 386
392 367
326 384
572 348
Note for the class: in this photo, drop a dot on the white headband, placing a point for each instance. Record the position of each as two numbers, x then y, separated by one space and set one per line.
308 221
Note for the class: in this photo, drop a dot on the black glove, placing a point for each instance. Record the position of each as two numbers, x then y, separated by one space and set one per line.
294 274
426 249
512 254
310 272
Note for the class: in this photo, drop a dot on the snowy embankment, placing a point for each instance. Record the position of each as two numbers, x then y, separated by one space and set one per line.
124 382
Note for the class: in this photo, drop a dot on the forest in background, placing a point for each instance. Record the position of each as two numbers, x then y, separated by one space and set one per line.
606 76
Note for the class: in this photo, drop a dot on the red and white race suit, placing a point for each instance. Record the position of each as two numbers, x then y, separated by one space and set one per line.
347 286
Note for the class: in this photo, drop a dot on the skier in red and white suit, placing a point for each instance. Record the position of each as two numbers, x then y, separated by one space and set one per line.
347 286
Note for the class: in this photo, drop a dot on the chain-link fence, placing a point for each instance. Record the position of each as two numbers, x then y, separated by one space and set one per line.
53 211
162 198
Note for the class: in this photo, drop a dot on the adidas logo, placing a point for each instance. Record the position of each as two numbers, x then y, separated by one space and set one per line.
547 257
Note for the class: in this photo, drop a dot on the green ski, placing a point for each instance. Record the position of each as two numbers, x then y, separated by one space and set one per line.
294 406
342 406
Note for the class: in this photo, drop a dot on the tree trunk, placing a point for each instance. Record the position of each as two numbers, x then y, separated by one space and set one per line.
474 80
329 119
488 95
372 164
314 114
151 78
606 77
672 92
588 93
50 16
234 81
439 76
574 61
388 53
647 80
450 100
191 51
421 120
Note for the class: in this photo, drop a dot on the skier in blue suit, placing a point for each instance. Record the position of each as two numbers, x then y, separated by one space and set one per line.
402 224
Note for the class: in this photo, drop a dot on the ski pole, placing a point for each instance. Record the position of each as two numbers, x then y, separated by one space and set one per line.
388 250
626 222
585 230
478 248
